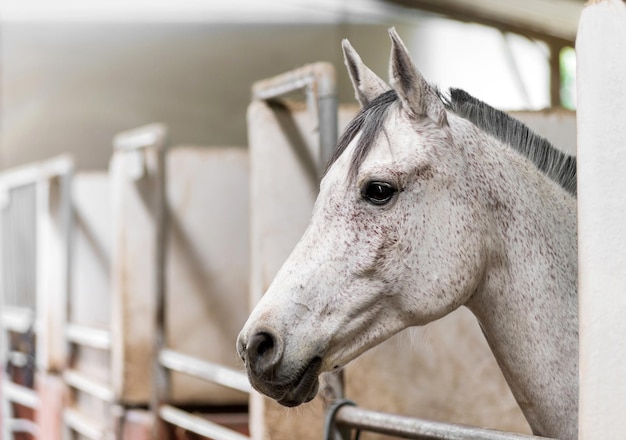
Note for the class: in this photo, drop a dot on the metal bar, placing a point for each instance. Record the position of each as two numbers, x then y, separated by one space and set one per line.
318 79
17 319
89 386
83 425
20 394
23 425
198 425
152 135
204 370
88 336
17 359
19 176
417 429
161 381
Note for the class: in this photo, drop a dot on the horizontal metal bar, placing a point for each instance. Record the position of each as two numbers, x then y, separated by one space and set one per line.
19 176
208 371
57 166
24 426
88 336
17 359
417 429
320 84
17 319
198 425
322 75
82 424
20 394
76 379
152 135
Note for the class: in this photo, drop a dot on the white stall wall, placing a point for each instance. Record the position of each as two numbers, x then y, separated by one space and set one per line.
207 265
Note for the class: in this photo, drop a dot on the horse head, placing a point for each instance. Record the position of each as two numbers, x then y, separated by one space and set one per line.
395 239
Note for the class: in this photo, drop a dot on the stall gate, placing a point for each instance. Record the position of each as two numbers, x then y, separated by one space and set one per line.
284 142
206 281
34 252
109 313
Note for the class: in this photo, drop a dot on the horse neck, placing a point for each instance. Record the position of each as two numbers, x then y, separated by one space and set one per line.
527 302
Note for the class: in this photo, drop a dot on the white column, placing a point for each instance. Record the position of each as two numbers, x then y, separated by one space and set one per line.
601 48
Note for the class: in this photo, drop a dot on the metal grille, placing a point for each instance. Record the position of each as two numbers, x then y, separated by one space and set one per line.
19 242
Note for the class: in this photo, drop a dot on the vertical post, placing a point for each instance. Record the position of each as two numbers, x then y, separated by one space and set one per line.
555 74
161 387
137 274
601 64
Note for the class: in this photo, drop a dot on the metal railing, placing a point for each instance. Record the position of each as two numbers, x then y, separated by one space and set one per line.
34 226
349 417
132 145
318 82
168 361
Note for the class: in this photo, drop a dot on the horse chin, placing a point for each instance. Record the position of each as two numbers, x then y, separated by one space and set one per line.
302 389
296 398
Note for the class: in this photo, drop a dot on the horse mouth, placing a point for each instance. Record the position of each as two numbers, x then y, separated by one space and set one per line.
302 389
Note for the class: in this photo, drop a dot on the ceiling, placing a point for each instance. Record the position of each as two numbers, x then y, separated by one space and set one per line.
555 21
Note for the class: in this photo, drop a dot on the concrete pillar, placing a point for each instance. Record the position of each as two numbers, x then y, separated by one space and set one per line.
601 48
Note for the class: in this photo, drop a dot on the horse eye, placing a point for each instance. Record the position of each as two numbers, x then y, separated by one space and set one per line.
378 193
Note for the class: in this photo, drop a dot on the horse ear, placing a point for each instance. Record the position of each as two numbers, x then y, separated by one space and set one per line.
417 96
367 85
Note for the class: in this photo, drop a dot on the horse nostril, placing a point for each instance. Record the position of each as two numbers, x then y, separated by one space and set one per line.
264 352
241 349
265 344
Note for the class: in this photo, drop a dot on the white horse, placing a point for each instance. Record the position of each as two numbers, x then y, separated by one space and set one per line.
420 212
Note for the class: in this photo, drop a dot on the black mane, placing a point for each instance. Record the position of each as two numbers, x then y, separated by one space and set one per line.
555 164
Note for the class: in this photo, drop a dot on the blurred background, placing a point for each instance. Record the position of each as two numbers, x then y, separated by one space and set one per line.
87 253
74 73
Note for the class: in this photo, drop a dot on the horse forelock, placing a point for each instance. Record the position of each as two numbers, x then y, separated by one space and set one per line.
369 123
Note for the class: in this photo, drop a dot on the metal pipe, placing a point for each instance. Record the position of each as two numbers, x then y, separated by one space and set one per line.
89 386
83 425
23 426
417 429
152 135
88 336
198 425
20 394
204 370
318 80
17 319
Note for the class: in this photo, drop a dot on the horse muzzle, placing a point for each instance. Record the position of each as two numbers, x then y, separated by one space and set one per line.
268 372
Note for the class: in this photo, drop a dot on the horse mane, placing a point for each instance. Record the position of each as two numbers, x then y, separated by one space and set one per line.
555 164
